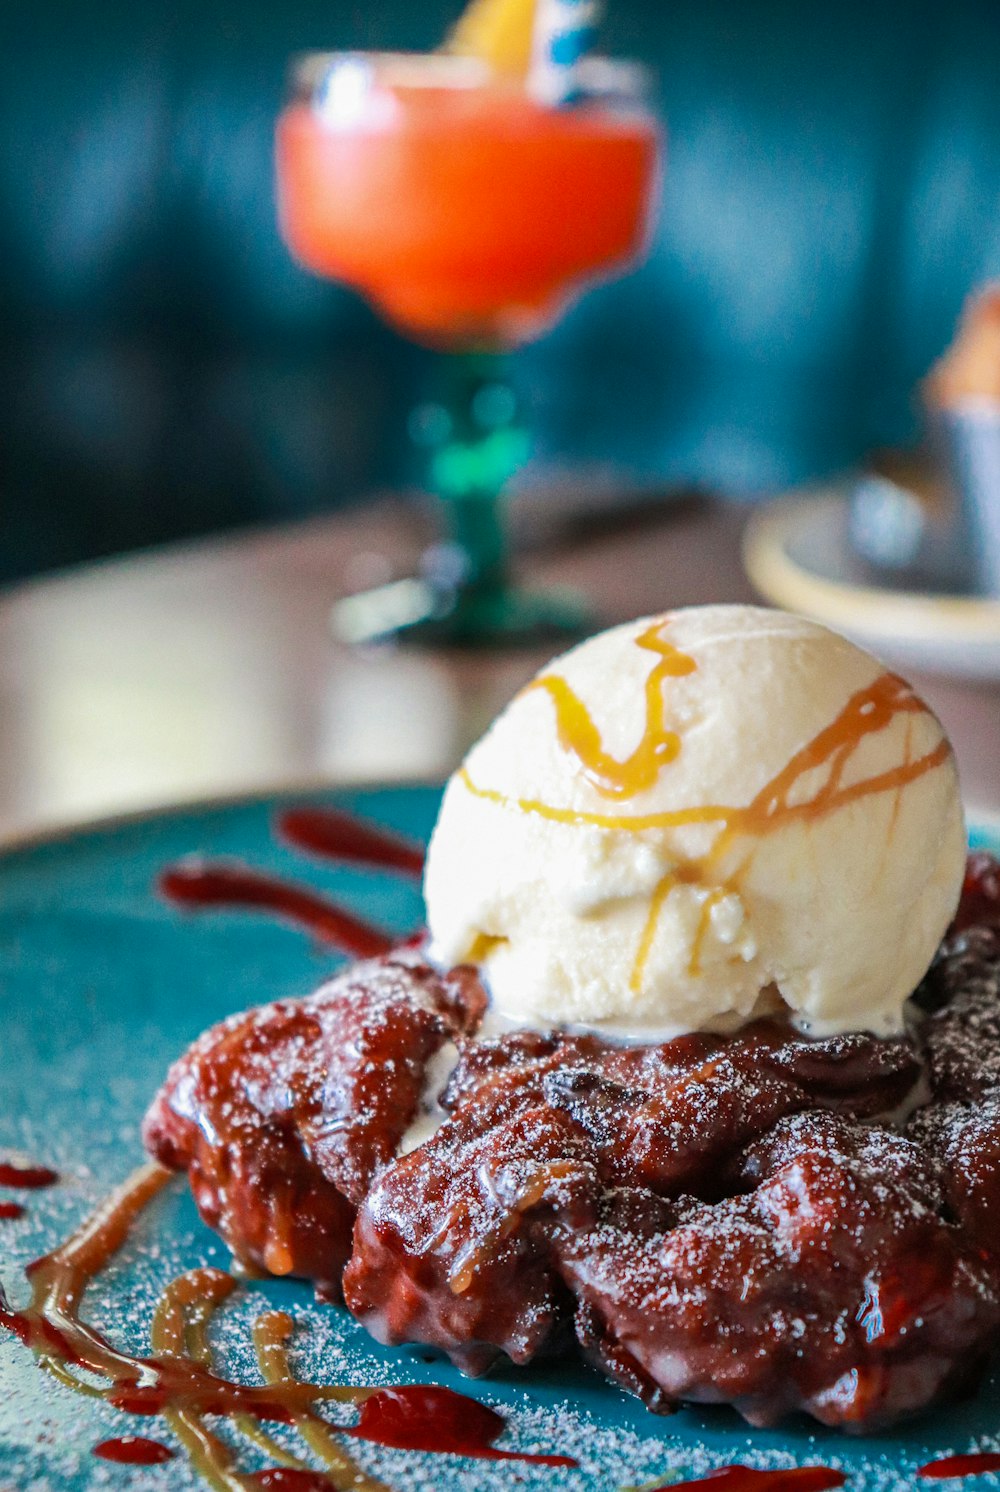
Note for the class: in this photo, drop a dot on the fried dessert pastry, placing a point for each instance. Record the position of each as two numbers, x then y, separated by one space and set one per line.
833 1285
455 1243
281 1116
748 1219
960 1124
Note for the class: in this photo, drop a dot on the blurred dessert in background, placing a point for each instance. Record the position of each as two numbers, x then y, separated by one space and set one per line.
963 392
970 368
937 527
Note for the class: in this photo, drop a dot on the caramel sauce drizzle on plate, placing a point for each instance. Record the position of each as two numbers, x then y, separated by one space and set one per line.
179 1383
868 712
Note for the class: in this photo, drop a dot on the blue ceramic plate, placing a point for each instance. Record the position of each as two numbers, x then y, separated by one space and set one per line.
102 985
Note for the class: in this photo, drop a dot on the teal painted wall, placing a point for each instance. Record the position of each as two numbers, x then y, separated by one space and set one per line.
833 189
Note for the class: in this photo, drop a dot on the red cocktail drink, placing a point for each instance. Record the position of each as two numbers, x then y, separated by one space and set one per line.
469 213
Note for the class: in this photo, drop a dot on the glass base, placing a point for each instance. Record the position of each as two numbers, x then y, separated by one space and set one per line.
417 611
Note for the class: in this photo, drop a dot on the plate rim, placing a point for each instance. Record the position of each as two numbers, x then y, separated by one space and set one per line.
60 831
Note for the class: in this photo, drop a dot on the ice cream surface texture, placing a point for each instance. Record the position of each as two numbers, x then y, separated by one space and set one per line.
696 817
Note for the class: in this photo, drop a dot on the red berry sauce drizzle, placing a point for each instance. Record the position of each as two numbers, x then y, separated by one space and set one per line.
26 1177
336 835
134 1450
178 1380
195 884
426 1418
329 832
980 893
975 1464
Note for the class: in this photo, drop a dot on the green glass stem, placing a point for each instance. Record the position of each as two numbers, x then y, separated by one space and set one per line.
477 442
464 596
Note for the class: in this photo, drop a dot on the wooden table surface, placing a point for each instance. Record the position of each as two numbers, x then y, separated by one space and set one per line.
208 670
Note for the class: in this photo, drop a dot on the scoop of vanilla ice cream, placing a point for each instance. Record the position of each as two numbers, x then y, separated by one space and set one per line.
691 819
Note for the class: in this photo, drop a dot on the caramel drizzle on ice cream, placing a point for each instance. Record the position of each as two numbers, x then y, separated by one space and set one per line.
659 745
866 713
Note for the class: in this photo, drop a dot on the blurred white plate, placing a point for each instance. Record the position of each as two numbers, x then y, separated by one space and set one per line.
798 556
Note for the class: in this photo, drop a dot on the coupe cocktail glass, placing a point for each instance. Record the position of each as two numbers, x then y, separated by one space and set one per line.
471 215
